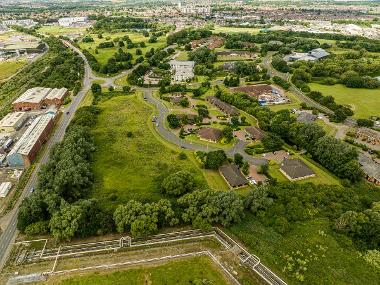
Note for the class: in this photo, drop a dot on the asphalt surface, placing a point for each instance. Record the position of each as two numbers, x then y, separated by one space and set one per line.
11 231
174 139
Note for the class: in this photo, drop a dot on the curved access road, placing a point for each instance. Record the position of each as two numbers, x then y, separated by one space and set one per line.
174 139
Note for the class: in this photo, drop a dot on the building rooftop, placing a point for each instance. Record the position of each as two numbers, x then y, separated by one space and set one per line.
296 168
210 134
11 119
370 167
306 117
318 53
56 93
33 95
225 107
233 175
27 141
37 94
256 133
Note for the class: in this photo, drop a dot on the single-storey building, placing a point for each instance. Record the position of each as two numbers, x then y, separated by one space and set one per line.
12 122
370 168
255 133
306 117
223 106
296 169
210 134
233 176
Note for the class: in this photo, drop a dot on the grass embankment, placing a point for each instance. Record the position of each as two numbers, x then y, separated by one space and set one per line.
364 102
331 258
131 167
105 53
220 29
196 270
8 68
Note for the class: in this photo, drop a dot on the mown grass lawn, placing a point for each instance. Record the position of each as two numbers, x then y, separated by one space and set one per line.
322 176
332 257
132 167
195 270
105 53
364 102
8 68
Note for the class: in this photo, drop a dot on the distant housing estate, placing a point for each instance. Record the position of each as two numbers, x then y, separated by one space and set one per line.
40 97
182 70
23 22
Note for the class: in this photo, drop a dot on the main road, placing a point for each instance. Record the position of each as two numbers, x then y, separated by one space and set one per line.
10 232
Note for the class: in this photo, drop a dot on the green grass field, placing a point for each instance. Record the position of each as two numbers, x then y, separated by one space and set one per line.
195 270
105 53
332 259
8 68
364 102
59 31
132 167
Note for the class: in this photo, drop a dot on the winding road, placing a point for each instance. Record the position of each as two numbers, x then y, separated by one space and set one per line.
10 232
174 139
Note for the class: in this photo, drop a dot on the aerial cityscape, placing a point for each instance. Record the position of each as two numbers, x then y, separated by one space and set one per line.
190 142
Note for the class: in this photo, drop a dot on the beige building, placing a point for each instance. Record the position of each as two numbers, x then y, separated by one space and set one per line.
12 122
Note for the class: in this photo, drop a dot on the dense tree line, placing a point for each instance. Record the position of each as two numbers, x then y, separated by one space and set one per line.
187 35
58 204
350 208
105 23
202 55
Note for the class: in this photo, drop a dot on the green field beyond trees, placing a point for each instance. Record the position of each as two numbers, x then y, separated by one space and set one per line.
364 102
196 270
130 162
8 68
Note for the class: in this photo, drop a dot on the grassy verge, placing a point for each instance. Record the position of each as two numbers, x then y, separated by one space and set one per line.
364 102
